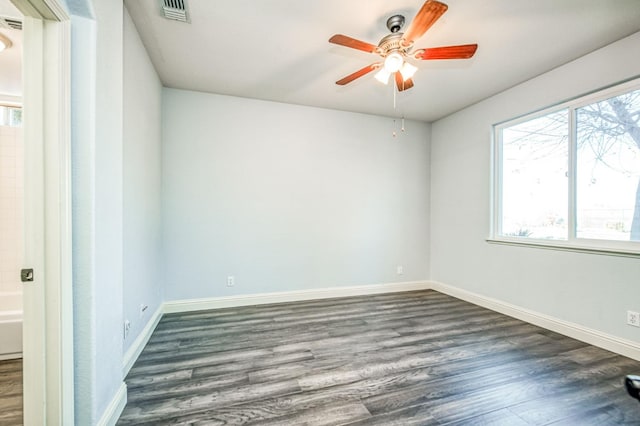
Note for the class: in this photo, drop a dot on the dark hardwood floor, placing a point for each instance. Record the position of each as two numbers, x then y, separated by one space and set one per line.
11 392
414 358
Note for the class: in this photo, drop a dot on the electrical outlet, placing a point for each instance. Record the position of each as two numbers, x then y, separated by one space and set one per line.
127 327
143 308
633 318
399 270
231 281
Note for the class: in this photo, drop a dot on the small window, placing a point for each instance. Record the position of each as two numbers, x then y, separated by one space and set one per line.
572 174
10 116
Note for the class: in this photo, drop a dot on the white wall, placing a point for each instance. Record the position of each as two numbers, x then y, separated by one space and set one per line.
11 217
287 197
142 281
587 289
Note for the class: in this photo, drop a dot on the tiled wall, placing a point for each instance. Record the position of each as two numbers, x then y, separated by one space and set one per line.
11 216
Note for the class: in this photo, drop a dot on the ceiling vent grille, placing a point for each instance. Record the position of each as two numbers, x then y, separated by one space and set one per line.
11 24
175 9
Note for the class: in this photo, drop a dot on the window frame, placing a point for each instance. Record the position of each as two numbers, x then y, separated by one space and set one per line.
572 243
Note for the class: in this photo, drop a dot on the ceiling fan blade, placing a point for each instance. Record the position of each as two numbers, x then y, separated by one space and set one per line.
428 14
403 84
347 41
358 74
464 51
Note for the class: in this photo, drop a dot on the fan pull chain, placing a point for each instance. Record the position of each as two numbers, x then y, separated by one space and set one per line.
394 99
394 96
394 133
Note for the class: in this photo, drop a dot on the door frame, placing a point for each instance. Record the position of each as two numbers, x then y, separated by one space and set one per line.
48 301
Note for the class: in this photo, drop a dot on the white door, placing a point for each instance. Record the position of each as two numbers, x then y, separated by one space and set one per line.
47 300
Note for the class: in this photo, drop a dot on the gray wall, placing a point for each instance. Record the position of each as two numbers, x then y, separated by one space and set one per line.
83 193
285 197
142 160
97 192
591 290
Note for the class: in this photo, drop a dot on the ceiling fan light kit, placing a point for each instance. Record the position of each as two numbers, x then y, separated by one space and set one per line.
5 43
396 47
408 71
393 62
383 76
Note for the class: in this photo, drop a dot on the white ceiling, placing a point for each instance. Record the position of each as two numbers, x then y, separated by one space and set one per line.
278 50
11 59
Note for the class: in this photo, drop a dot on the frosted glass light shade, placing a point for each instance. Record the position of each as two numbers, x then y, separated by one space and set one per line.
407 71
5 43
383 75
393 62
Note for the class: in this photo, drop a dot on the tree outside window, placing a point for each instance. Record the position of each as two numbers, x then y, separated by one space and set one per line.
563 182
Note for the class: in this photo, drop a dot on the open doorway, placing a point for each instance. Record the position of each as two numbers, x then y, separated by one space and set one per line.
47 331
11 214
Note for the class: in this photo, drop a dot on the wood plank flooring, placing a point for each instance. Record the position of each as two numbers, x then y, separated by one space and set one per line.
11 392
413 358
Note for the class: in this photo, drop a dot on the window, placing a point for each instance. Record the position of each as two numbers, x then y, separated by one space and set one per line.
10 116
570 175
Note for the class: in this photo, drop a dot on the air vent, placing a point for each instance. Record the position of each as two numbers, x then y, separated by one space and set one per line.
175 9
12 24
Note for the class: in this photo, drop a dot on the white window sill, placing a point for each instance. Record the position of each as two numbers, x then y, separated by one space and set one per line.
565 246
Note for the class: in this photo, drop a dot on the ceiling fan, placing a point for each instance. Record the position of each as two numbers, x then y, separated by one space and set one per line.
397 47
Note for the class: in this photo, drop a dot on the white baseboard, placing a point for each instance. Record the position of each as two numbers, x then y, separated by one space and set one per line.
138 345
290 296
112 413
593 337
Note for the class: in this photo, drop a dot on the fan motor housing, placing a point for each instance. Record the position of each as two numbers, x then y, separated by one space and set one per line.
392 43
